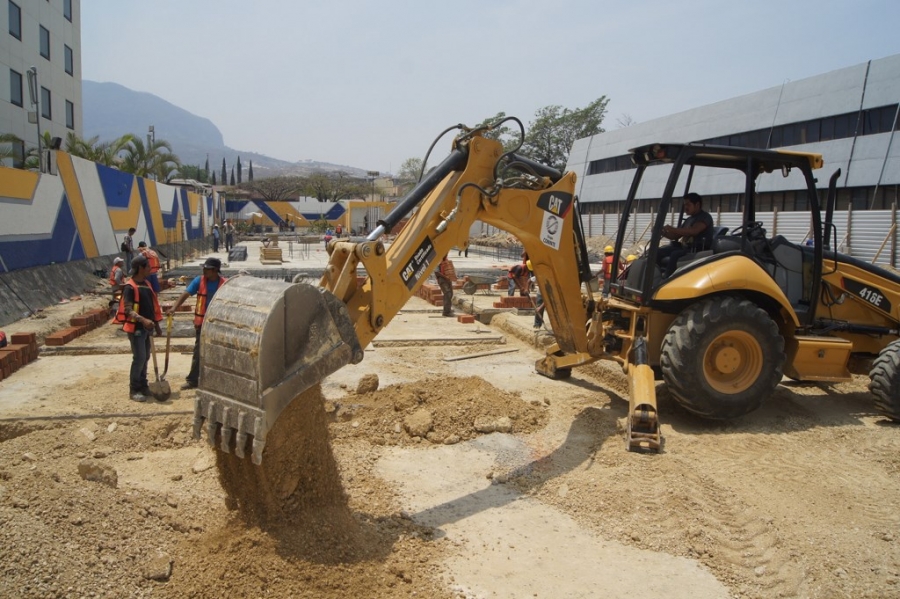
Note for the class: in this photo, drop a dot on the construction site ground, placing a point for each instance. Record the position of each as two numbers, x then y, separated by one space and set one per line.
461 473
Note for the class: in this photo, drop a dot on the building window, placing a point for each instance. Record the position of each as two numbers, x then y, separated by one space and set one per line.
67 10
15 88
70 61
15 20
45 42
70 115
45 103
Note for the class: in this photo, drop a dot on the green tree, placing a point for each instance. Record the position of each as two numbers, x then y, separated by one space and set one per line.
250 172
410 171
206 168
276 189
155 160
331 187
224 173
232 175
189 171
213 182
551 135
508 136
238 170
107 153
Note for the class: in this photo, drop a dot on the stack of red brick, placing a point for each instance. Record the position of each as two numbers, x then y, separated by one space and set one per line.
79 325
431 292
21 350
514 301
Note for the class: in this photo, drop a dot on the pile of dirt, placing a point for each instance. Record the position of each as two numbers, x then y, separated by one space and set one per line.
445 410
293 527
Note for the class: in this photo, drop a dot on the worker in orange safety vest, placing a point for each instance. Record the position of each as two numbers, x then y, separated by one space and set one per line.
153 258
204 287
140 314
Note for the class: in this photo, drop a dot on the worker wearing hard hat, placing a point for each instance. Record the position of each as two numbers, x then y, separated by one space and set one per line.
624 266
608 254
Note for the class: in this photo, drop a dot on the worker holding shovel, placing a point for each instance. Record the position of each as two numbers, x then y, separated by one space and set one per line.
140 313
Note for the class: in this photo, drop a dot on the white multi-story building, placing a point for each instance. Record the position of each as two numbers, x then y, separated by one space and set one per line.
848 115
44 35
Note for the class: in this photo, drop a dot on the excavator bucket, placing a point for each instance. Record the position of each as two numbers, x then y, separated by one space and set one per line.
262 344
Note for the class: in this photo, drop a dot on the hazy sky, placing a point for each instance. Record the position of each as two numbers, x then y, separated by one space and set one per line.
370 84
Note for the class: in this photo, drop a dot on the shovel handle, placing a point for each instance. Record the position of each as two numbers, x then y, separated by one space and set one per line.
153 351
168 343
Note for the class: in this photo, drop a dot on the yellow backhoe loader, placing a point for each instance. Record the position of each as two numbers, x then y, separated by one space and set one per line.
720 330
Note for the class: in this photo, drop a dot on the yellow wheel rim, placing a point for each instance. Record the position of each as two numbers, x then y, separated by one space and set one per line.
733 362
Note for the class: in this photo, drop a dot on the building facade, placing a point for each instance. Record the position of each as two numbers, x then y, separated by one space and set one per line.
45 35
850 116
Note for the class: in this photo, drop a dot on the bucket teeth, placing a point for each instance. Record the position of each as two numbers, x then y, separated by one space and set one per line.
240 443
227 432
263 343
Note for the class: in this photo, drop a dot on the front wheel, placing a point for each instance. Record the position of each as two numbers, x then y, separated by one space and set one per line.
885 381
721 357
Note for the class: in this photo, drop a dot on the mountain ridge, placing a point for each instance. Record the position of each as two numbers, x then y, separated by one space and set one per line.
112 110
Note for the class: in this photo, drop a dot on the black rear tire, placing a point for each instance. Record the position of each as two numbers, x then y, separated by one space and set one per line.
721 357
885 381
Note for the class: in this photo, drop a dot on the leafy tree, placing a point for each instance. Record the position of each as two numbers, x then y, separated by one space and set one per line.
508 136
213 181
551 135
238 170
250 172
410 171
189 171
206 168
232 175
276 189
224 173
155 160
107 153
332 187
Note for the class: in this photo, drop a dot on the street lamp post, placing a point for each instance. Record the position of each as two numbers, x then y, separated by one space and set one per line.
373 175
151 139
34 93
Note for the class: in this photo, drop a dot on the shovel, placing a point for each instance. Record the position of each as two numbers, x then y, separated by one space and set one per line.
159 389
168 344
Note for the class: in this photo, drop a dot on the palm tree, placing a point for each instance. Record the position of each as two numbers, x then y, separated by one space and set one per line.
8 143
105 153
155 159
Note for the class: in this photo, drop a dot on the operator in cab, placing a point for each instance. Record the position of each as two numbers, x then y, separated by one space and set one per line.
694 235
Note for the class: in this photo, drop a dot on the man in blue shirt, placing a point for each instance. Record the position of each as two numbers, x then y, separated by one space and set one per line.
204 287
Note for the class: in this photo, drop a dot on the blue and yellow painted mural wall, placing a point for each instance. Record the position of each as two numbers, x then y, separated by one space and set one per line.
86 209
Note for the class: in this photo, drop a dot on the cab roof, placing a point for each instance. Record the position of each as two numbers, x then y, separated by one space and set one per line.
724 157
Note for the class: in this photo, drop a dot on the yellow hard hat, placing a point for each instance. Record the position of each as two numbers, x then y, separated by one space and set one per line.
609 249
528 264
630 258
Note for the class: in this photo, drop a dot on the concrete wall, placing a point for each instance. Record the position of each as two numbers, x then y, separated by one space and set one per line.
83 211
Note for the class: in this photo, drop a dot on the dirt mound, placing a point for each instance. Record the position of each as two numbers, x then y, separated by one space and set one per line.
445 410
293 525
